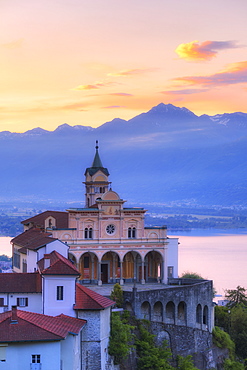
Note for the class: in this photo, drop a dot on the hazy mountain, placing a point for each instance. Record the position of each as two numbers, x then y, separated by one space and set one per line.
167 154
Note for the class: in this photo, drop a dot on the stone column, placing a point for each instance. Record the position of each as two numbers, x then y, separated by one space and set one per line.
114 268
143 277
134 268
99 273
121 273
164 267
92 269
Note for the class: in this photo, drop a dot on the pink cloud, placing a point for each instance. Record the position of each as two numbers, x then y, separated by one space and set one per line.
113 107
206 50
184 91
121 94
235 73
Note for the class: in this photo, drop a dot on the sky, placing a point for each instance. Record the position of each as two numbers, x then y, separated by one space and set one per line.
86 62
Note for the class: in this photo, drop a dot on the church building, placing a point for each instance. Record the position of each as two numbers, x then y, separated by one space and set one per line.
107 241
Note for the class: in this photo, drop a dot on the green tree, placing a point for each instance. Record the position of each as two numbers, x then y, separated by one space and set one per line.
236 296
222 317
185 363
150 356
238 329
117 295
191 275
232 365
223 340
120 337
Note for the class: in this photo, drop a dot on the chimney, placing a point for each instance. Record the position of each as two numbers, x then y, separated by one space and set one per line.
14 318
47 261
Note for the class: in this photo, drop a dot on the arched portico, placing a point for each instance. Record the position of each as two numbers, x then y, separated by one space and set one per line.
153 267
110 268
88 267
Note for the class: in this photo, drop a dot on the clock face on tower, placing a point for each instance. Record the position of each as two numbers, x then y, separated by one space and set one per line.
110 229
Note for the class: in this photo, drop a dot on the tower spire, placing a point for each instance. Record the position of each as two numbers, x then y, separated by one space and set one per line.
96 178
97 161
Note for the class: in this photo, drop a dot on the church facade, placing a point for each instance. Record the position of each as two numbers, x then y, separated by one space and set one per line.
107 241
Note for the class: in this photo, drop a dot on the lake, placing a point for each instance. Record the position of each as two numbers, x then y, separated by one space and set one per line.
219 255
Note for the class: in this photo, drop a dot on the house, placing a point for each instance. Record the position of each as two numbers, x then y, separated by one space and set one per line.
35 341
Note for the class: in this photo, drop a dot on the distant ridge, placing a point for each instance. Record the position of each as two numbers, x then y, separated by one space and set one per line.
167 154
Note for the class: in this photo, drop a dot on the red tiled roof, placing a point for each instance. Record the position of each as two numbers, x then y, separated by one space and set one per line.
20 283
87 299
39 220
59 265
33 239
37 327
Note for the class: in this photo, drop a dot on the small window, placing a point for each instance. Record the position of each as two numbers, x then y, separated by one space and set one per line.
170 271
35 359
131 232
88 233
3 352
59 293
22 302
1 302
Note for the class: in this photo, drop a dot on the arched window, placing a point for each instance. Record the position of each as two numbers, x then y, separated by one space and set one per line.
182 311
170 311
88 233
199 314
205 315
146 311
158 311
131 232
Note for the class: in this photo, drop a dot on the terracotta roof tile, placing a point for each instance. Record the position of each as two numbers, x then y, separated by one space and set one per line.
20 282
39 220
33 239
86 299
37 327
59 265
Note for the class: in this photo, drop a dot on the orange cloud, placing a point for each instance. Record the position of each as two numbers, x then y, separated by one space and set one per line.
195 51
235 73
14 44
96 85
131 72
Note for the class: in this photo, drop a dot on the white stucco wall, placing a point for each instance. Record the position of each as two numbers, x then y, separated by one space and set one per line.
34 302
31 260
172 255
19 355
58 246
51 305
70 353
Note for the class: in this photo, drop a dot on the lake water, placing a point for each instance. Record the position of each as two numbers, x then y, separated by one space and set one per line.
219 255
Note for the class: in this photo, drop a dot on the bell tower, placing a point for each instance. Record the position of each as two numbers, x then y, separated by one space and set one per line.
96 180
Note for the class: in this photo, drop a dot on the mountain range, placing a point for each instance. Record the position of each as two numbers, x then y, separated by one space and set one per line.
166 155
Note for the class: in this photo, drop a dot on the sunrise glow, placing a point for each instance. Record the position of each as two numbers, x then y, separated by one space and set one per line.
88 62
